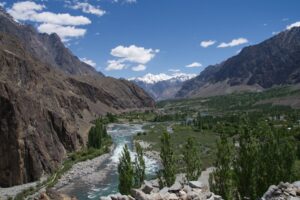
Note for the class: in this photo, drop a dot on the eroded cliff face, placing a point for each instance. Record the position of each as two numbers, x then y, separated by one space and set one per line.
45 112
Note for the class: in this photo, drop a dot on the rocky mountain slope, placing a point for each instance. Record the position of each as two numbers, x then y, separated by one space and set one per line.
47 99
273 62
162 86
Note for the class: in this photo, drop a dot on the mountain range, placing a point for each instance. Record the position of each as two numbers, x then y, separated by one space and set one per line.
162 86
274 62
48 98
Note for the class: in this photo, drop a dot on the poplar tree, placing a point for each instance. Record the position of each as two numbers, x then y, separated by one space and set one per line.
126 172
139 166
191 158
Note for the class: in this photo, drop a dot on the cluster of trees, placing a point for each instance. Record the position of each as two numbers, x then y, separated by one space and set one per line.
190 161
248 163
131 174
97 135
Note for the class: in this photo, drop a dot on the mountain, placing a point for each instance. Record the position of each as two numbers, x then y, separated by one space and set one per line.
273 62
162 86
48 98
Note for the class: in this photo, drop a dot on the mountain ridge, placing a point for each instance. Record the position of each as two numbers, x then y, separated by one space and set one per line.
275 61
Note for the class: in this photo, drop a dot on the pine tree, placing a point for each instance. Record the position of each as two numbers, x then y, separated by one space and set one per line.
168 161
125 170
191 160
139 166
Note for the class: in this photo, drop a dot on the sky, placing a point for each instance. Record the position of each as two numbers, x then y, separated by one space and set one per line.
130 38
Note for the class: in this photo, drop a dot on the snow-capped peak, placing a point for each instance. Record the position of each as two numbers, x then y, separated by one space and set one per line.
154 78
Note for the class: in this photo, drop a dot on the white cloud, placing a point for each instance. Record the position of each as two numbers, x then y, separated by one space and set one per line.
139 68
2 4
296 24
194 64
89 62
207 43
63 24
88 8
275 32
174 70
115 65
64 32
127 56
233 43
125 1
134 54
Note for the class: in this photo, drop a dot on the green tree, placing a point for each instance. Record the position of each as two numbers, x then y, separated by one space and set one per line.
126 172
139 166
168 161
191 158
221 180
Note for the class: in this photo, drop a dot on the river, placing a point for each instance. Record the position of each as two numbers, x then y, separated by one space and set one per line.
107 183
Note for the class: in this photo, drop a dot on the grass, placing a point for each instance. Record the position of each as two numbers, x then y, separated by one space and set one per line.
206 140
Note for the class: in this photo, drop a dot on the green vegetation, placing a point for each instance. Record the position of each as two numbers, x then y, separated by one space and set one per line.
126 172
97 135
192 161
167 174
139 166
252 160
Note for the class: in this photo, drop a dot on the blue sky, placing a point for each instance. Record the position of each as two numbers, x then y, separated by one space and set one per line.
129 38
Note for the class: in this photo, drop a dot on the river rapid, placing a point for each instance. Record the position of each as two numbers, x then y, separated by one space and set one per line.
104 179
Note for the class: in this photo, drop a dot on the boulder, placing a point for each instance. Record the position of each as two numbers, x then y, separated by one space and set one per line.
147 187
105 198
175 187
296 184
164 192
172 196
139 194
196 184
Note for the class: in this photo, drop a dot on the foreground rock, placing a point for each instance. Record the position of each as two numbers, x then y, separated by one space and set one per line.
283 191
195 190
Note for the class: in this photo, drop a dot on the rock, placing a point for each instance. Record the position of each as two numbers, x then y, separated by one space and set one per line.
196 184
192 195
172 196
163 192
139 195
105 198
175 187
155 196
297 184
147 187
187 188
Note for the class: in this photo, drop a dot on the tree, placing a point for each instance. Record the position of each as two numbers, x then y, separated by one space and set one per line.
221 181
125 171
168 161
97 135
139 166
191 160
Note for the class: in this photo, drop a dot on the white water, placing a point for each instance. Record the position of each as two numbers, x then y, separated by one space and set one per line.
122 134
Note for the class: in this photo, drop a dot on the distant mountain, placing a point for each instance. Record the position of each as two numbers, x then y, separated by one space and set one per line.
273 62
162 86
48 98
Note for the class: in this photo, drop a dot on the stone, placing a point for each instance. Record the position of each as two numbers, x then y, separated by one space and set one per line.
173 196
155 196
105 198
297 184
187 188
175 187
147 187
139 195
196 184
163 192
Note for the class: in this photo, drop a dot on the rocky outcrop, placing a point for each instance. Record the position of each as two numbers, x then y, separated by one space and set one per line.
273 62
45 108
283 191
194 190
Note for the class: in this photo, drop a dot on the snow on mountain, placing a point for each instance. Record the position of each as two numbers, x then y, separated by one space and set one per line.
155 78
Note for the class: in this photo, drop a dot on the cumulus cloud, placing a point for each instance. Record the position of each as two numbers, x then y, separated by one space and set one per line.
127 56
233 43
89 62
88 8
207 43
296 24
64 32
194 64
115 65
139 68
63 24
134 54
